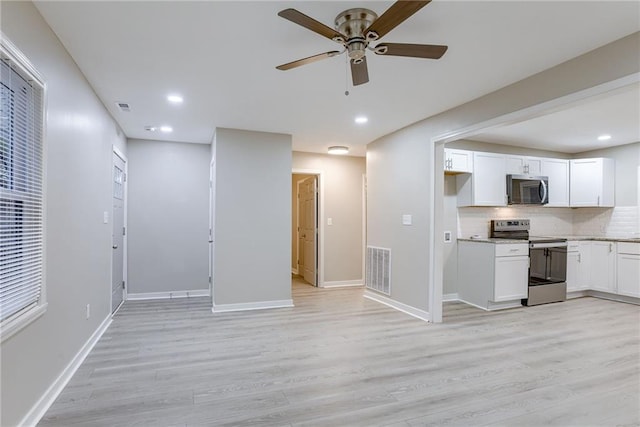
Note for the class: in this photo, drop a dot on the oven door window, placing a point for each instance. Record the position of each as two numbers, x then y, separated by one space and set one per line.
548 265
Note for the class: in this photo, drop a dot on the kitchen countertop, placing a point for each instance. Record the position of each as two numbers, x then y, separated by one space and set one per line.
511 241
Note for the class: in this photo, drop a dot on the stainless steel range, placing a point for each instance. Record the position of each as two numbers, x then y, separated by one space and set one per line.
547 261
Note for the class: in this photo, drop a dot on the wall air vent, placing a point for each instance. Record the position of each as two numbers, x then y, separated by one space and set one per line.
123 106
378 269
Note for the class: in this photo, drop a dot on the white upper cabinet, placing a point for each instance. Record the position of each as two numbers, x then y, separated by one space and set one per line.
523 165
557 170
487 185
458 161
592 182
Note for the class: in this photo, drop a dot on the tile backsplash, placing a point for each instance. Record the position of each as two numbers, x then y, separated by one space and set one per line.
614 222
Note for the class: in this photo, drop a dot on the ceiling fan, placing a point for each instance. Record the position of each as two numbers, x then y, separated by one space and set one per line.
356 28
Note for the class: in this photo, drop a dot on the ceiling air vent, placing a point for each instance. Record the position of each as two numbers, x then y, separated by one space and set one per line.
123 106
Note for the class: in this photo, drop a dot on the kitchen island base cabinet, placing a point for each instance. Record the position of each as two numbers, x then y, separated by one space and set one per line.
492 276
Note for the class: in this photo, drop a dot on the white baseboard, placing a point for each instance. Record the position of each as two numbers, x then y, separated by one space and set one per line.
259 305
38 410
169 295
342 284
450 297
411 311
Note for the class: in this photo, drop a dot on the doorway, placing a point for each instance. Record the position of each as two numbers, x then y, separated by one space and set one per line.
305 242
118 254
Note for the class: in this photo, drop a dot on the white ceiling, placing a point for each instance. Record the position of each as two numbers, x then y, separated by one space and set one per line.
577 127
221 56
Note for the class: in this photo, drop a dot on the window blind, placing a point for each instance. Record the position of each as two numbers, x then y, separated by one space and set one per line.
21 191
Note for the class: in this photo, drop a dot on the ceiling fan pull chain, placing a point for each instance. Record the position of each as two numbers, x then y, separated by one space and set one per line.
346 75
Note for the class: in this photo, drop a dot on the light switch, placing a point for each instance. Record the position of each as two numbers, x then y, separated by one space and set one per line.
329 221
447 237
407 219
105 217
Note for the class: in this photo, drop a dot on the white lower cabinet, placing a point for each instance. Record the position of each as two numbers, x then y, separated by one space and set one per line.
493 276
628 266
603 266
511 278
578 253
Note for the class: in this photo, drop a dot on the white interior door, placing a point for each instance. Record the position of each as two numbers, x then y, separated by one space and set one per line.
308 229
117 264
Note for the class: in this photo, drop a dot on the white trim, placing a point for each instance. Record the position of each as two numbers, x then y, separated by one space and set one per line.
38 410
411 311
125 224
169 294
364 227
14 326
320 174
450 297
259 305
435 303
343 283
294 271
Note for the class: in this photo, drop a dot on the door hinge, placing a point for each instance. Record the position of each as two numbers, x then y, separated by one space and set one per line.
124 177
123 284
124 231
209 279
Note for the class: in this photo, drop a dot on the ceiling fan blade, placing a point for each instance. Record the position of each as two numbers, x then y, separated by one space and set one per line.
311 24
394 16
430 51
359 72
308 60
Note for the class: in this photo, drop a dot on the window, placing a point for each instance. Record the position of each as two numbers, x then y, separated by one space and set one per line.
21 192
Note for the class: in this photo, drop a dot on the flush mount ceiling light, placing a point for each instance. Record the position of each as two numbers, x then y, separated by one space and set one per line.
361 120
175 99
166 129
604 137
338 149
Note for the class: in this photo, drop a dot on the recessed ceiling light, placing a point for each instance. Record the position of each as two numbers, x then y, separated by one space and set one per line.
176 99
361 120
166 129
604 137
338 149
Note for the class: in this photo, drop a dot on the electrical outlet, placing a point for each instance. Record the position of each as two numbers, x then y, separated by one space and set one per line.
88 311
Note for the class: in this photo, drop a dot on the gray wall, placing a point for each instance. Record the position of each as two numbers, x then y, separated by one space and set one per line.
168 216
401 179
342 177
627 158
79 138
252 230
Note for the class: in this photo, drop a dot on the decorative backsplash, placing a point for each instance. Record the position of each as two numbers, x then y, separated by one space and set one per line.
600 222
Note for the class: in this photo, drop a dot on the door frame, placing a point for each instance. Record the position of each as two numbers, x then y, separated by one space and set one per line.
117 152
319 223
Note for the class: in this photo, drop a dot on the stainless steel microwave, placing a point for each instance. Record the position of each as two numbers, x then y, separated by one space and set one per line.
527 190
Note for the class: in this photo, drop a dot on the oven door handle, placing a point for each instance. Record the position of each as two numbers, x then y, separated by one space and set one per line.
542 245
543 196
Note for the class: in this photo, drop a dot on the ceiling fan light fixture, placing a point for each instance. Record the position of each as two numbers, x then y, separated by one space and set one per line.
338 150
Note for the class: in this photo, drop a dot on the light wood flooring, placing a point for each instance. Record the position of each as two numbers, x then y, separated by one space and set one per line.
337 359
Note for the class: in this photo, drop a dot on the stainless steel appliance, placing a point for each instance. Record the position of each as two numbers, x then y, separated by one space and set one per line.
547 261
527 190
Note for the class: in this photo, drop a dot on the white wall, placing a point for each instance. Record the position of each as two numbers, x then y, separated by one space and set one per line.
343 245
403 168
168 216
252 229
79 138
